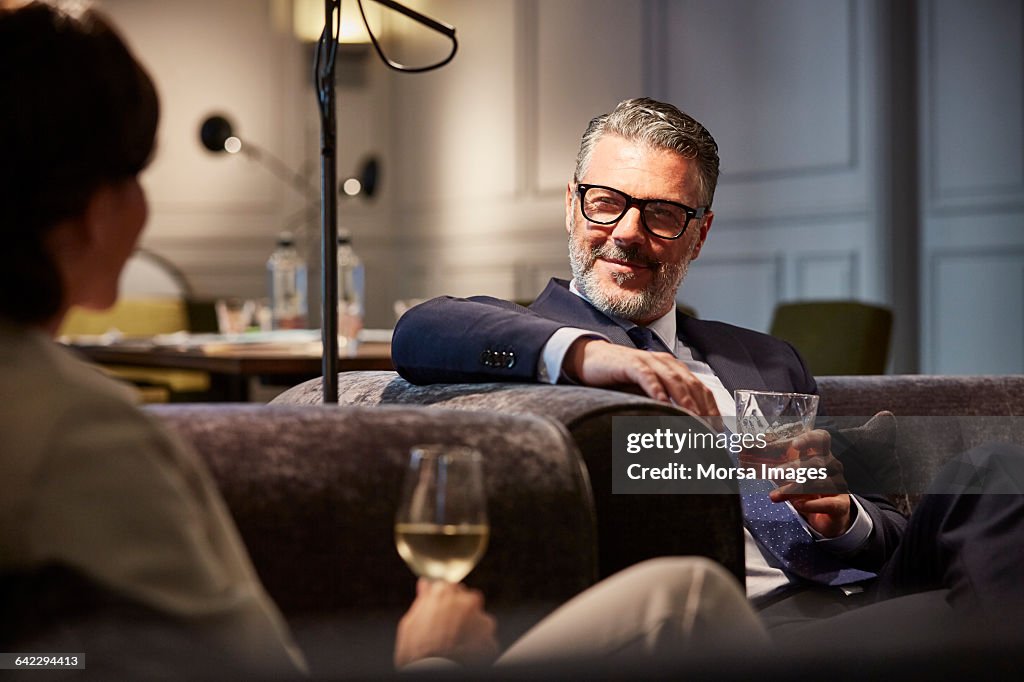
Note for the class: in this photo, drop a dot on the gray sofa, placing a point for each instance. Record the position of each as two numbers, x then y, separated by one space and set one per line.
314 489
630 528
933 419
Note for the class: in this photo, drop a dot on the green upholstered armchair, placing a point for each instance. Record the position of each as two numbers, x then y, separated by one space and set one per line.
836 337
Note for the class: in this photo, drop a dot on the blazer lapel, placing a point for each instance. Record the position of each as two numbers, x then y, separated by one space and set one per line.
557 303
729 358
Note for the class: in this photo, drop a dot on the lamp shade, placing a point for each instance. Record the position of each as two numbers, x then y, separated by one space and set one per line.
308 20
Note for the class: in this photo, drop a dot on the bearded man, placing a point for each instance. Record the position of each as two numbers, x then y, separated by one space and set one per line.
637 213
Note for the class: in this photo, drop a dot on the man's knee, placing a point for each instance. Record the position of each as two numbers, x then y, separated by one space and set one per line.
694 571
989 468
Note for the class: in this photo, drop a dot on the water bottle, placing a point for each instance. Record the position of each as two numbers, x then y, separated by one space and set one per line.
351 292
286 273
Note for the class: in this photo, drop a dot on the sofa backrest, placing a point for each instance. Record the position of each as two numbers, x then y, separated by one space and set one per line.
919 395
631 528
314 492
937 417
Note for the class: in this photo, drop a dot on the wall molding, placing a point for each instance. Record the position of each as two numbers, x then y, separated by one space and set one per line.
655 35
853 162
824 218
776 261
966 199
936 258
527 81
848 258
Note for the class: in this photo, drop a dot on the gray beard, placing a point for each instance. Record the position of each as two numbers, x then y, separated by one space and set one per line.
644 305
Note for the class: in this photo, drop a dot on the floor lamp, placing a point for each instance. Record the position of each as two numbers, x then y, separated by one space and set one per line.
323 77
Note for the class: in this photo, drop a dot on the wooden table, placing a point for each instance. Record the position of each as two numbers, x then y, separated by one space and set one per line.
232 366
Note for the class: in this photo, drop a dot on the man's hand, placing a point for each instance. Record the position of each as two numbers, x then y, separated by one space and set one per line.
595 362
825 504
447 621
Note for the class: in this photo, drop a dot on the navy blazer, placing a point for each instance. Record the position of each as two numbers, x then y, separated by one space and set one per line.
448 340
484 339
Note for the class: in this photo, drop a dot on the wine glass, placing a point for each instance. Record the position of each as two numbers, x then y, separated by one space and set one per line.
441 528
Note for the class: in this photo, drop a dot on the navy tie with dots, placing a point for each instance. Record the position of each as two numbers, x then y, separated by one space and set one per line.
776 525
645 339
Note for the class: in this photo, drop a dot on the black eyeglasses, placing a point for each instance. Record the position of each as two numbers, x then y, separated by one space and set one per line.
662 218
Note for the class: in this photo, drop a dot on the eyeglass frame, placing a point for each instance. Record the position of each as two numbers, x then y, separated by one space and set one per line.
641 204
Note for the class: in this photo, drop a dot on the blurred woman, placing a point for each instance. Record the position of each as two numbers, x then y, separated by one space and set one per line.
90 484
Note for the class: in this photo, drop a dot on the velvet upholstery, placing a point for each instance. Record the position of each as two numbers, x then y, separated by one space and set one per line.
631 528
938 417
924 395
314 493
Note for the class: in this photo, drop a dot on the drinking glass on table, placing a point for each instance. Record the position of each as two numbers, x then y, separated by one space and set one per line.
441 528
234 315
778 417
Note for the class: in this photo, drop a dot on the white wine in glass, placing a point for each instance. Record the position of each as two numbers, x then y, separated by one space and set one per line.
441 528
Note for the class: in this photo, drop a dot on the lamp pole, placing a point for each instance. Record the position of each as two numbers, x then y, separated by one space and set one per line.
327 98
323 76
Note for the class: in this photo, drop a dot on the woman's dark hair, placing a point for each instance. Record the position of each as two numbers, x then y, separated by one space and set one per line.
77 112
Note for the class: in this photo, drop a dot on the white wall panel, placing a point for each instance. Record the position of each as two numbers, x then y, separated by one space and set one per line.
781 85
788 90
587 62
454 129
978 323
975 67
971 70
238 72
826 275
216 216
739 288
755 72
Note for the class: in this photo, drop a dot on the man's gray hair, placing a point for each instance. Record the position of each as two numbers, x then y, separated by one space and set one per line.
660 126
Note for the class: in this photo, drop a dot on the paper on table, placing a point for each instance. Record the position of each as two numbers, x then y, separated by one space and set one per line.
282 337
375 335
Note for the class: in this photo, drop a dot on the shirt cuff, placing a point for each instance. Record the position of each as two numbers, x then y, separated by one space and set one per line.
855 537
549 369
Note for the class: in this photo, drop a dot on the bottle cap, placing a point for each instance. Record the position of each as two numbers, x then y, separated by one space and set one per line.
286 239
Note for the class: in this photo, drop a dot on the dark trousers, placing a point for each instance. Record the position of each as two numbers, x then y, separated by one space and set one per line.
959 568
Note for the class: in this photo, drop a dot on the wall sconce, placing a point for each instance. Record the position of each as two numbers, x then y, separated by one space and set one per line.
217 135
364 182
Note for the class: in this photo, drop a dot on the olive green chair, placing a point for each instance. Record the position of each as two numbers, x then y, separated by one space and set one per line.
836 337
156 298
